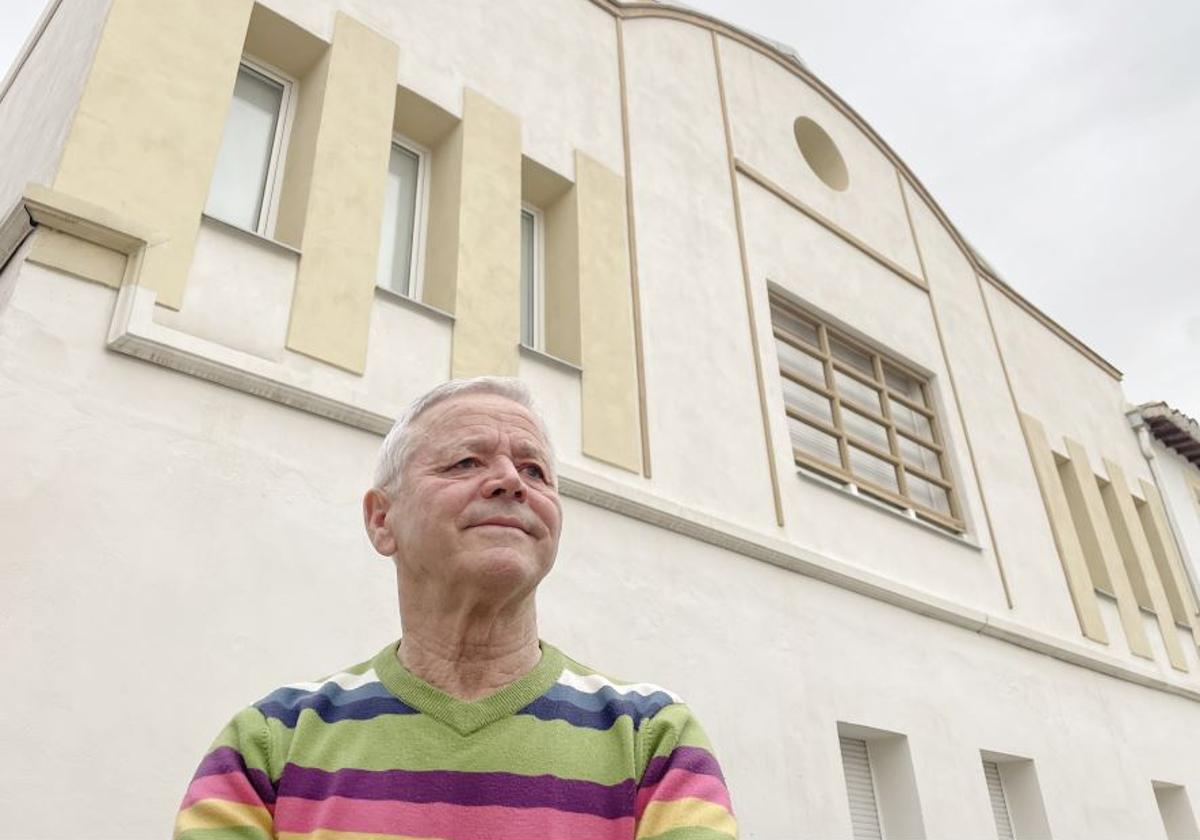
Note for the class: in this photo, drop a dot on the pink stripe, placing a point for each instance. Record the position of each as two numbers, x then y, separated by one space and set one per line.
682 784
230 787
440 819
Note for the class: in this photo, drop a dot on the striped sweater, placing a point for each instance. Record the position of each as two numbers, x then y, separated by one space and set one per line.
376 752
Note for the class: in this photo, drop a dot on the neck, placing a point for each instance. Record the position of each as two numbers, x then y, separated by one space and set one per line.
469 651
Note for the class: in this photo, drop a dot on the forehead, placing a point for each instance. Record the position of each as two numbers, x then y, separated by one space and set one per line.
471 416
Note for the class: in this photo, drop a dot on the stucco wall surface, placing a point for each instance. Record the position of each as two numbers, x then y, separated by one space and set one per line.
706 435
175 549
764 100
557 72
1180 480
36 112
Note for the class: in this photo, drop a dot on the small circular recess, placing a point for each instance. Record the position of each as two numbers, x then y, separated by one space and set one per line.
821 153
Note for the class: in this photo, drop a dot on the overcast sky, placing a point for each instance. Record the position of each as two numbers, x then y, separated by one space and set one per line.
1061 137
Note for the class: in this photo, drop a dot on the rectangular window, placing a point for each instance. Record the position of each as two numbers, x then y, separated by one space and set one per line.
532 282
402 233
860 789
862 418
991 774
246 177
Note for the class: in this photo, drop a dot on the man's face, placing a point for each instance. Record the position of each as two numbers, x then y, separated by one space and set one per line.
478 505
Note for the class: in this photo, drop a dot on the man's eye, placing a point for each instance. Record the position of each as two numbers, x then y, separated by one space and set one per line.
535 471
464 463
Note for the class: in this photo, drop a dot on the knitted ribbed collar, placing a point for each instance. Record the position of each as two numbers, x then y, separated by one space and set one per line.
465 717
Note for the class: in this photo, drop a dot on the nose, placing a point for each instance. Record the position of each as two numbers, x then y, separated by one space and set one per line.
504 480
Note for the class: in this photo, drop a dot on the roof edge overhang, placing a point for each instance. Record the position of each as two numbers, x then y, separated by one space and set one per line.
1172 427
791 61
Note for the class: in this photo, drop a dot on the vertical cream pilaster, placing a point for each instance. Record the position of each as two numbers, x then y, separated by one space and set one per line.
1167 560
343 207
611 419
146 135
1136 550
487 265
1058 510
1097 536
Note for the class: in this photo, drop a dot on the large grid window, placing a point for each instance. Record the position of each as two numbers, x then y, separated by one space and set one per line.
863 419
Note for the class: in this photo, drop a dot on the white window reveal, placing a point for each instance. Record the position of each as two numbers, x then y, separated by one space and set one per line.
995 786
532 278
403 232
245 183
860 789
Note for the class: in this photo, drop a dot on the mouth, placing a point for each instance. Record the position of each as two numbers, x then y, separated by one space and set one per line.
503 522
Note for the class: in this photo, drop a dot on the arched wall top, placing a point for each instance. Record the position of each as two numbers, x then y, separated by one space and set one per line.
635 9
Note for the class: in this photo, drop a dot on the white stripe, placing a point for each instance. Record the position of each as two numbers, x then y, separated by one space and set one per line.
592 683
345 679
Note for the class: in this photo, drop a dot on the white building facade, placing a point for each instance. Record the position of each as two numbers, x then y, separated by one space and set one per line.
891 531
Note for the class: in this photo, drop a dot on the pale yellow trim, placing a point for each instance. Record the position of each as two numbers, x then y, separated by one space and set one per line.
660 817
1167 560
768 439
335 281
1135 550
609 385
1095 533
632 10
146 134
937 326
487 327
1066 540
85 220
79 257
841 233
222 814
438 286
633 254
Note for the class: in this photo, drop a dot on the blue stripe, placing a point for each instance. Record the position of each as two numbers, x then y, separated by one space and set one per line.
582 709
606 697
332 703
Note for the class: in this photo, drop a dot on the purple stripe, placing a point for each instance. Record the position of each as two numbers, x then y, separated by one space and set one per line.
461 788
692 759
229 760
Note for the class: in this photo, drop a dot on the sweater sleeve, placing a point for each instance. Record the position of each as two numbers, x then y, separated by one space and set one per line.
231 796
681 793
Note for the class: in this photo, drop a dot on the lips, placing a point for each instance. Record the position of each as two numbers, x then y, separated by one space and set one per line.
503 521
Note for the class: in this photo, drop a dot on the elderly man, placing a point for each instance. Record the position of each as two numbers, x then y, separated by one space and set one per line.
470 727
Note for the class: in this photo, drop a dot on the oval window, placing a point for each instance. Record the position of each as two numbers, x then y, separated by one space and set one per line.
821 153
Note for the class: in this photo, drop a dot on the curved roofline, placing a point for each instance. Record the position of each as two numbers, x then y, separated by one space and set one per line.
790 61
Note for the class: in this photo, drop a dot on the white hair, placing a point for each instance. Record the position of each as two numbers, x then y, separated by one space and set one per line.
397 446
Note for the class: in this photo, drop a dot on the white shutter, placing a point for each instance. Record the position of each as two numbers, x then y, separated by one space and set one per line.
864 815
991 772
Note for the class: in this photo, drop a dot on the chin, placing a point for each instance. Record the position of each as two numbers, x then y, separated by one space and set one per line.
506 567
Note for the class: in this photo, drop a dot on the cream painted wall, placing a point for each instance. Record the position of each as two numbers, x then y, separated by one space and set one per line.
190 487
1022 531
42 100
705 428
764 100
1179 478
565 73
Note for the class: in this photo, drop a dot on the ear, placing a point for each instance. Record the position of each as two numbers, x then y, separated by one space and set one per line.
375 507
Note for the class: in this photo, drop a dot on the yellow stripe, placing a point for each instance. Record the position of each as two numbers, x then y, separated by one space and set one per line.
217 813
661 817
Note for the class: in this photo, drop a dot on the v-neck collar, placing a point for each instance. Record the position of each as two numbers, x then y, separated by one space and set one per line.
462 716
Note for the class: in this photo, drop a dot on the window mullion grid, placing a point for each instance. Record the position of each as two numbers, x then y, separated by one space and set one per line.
831 384
901 473
936 429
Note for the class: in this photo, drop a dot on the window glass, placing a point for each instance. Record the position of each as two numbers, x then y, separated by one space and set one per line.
814 442
862 395
244 162
911 421
865 429
852 356
919 456
808 366
399 221
807 401
875 470
928 494
528 278
903 384
796 326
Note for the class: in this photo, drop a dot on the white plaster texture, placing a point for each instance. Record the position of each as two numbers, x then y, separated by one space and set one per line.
557 72
764 100
36 111
1179 482
706 437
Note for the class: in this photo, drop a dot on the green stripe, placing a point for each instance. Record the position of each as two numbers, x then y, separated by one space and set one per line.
690 833
424 744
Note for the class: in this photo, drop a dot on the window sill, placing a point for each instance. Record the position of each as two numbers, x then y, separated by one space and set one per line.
541 355
415 305
283 246
863 498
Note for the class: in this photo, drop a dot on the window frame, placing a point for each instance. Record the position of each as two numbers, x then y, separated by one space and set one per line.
416 267
839 403
537 331
269 211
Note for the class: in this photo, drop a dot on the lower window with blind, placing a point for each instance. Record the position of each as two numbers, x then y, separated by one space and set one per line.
862 418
